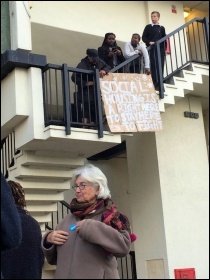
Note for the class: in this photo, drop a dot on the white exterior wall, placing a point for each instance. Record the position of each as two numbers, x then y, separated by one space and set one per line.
14 100
33 127
20 25
146 206
99 17
183 169
162 186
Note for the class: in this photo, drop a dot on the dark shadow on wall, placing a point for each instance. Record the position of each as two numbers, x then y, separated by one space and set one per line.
63 46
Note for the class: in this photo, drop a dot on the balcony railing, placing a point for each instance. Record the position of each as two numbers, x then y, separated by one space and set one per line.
188 43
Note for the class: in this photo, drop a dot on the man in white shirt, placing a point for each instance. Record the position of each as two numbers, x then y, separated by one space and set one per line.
135 47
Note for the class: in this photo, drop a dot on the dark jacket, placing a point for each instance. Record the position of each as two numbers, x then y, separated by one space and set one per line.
153 33
11 232
25 261
81 80
103 52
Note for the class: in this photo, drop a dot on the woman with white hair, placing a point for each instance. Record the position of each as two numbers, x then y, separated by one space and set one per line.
87 241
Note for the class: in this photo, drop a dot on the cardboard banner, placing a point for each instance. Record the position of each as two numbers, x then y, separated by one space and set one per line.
130 102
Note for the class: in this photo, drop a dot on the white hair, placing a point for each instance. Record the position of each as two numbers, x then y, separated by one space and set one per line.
96 177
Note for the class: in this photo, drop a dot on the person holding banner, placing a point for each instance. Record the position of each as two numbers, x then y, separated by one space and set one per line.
85 97
110 52
135 47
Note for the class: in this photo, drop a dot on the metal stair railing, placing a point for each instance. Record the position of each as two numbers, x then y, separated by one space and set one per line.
126 265
61 104
8 153
187 44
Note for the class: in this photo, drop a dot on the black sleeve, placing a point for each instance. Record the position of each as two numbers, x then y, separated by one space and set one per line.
11 232
104 66
120 57
163 35
78 78
103 54
145 35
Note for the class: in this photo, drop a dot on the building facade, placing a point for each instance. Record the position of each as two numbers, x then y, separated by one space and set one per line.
160 180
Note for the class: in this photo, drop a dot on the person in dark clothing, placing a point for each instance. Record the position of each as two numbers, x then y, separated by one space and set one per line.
25 261
110 52
86 94
152 33
11 232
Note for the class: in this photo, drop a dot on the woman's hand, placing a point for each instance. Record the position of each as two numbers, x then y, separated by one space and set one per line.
118 52
57 237
79 224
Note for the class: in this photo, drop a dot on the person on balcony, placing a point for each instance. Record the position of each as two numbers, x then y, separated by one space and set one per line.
135 47
151 34
11 231
110 52
86 94
87 241
25 261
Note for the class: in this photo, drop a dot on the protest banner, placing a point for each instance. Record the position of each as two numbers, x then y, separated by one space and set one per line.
130 102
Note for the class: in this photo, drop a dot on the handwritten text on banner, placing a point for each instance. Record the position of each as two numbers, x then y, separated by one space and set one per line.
130 103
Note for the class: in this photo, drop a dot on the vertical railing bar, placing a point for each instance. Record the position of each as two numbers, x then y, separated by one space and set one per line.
50 86
66 99
184 34
196 57
175 51
180 48
99 105
56 93
199 39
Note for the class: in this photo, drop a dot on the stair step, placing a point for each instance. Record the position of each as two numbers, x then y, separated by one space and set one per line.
193 77
42 227
32 185
44 197
183 83
48 266
50 160
172 91
50 207
42 218
40 174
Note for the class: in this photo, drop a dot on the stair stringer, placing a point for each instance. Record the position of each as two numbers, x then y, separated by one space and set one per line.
174 93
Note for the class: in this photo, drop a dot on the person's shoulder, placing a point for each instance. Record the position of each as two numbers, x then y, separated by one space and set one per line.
82 62
27 218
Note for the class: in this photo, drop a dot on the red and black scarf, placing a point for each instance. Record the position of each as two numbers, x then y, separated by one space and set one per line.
110 216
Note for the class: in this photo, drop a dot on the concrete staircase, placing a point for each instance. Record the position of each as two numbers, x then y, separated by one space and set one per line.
184 83
45 176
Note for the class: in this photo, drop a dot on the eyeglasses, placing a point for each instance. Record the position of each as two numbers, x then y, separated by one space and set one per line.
81 186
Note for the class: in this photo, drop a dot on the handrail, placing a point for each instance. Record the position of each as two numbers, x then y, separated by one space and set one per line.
182 54
190 52
8 153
